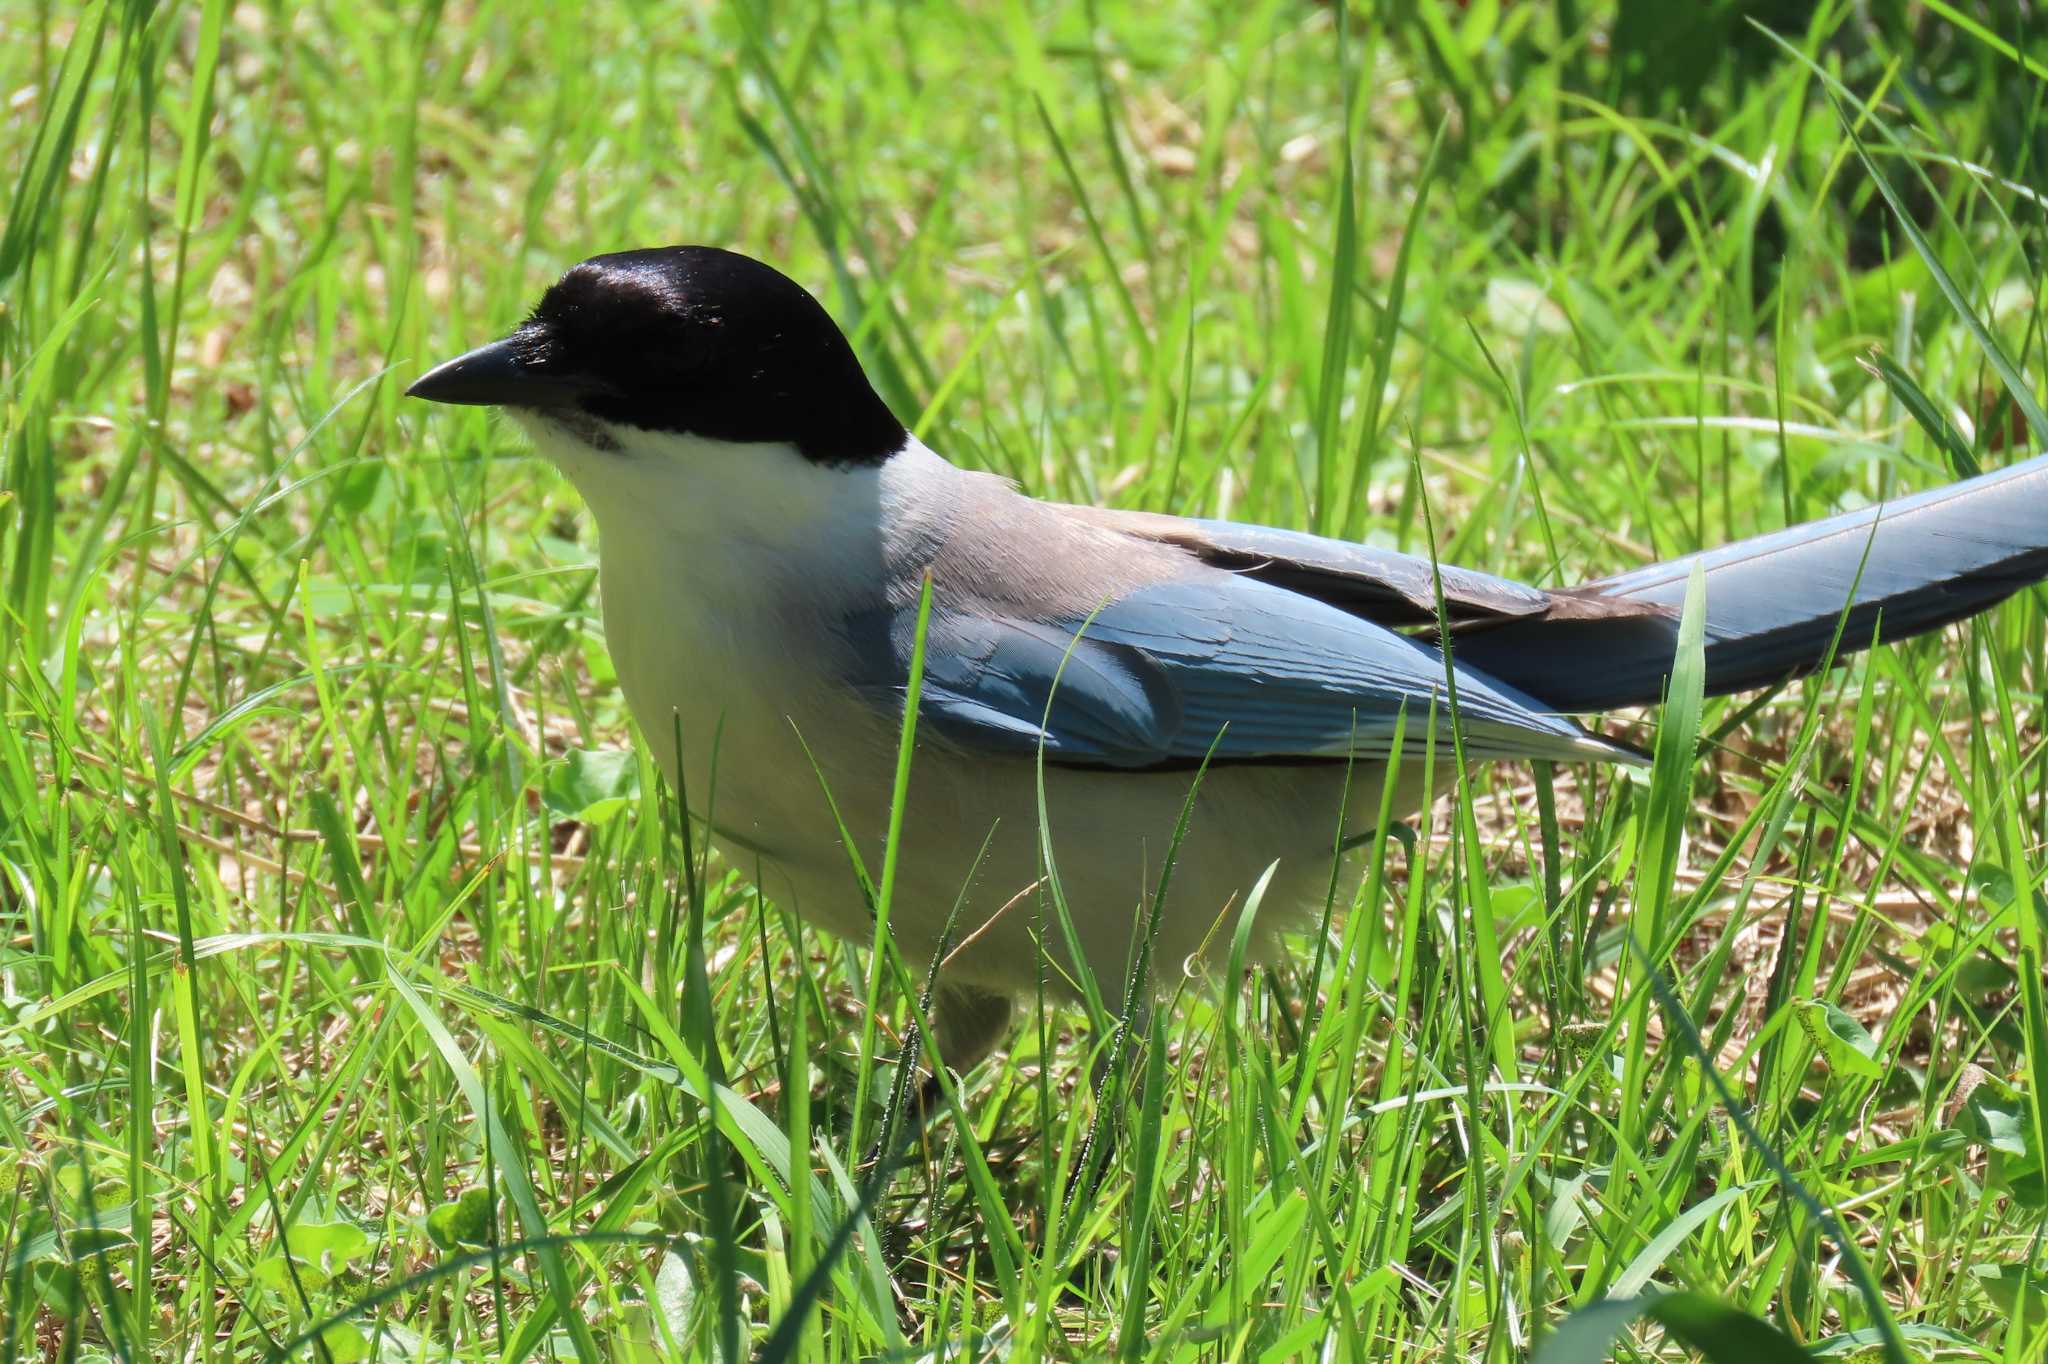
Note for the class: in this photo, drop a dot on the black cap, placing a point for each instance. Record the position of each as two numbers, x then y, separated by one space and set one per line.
684 339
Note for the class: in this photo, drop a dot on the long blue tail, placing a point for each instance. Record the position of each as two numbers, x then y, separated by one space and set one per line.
1774 602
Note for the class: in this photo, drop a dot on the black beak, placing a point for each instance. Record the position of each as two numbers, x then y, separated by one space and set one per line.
495 376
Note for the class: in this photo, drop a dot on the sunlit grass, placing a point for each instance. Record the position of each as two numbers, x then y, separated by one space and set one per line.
334 888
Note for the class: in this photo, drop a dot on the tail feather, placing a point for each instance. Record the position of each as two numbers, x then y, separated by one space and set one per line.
1774 602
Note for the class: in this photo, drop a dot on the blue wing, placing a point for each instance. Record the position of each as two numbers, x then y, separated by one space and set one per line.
1278 642
1156 677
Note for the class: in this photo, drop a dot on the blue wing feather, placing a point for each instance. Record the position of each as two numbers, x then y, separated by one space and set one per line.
1155 678
1776 603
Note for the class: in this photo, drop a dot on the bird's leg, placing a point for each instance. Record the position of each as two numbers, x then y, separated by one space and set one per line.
967 1022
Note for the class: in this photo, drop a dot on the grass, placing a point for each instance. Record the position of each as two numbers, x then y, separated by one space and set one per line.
361 994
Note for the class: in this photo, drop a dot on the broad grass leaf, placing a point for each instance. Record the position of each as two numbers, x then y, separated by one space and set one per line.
1723 1334
592 785
1847 1044
463 1221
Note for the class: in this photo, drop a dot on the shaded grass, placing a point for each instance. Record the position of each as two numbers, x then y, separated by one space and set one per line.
314 921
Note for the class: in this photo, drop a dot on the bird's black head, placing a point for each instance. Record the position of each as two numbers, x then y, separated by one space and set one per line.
685 339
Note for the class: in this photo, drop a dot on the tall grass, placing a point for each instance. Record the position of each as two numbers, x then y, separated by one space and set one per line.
363 994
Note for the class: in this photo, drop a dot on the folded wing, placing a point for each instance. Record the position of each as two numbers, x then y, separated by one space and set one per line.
1214 666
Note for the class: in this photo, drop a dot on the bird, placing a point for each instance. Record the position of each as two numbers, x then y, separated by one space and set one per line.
775 547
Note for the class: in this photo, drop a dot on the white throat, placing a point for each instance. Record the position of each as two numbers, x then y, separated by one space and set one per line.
729 566
745 522
727 571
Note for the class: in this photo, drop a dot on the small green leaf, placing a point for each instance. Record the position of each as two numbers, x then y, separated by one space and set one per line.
1995 1121
675 1297
464 1222
86 1241
1993 884
359 487
1848 1046
318 1250
58 1289
660 1327
285 1279
1721 1333
38 1241
2012 1286
330 1244
1565 1207
592 785
1982 975
344 1343
2022 1178
1516 906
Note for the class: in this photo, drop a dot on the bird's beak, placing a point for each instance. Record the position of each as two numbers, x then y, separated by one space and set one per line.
494 376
